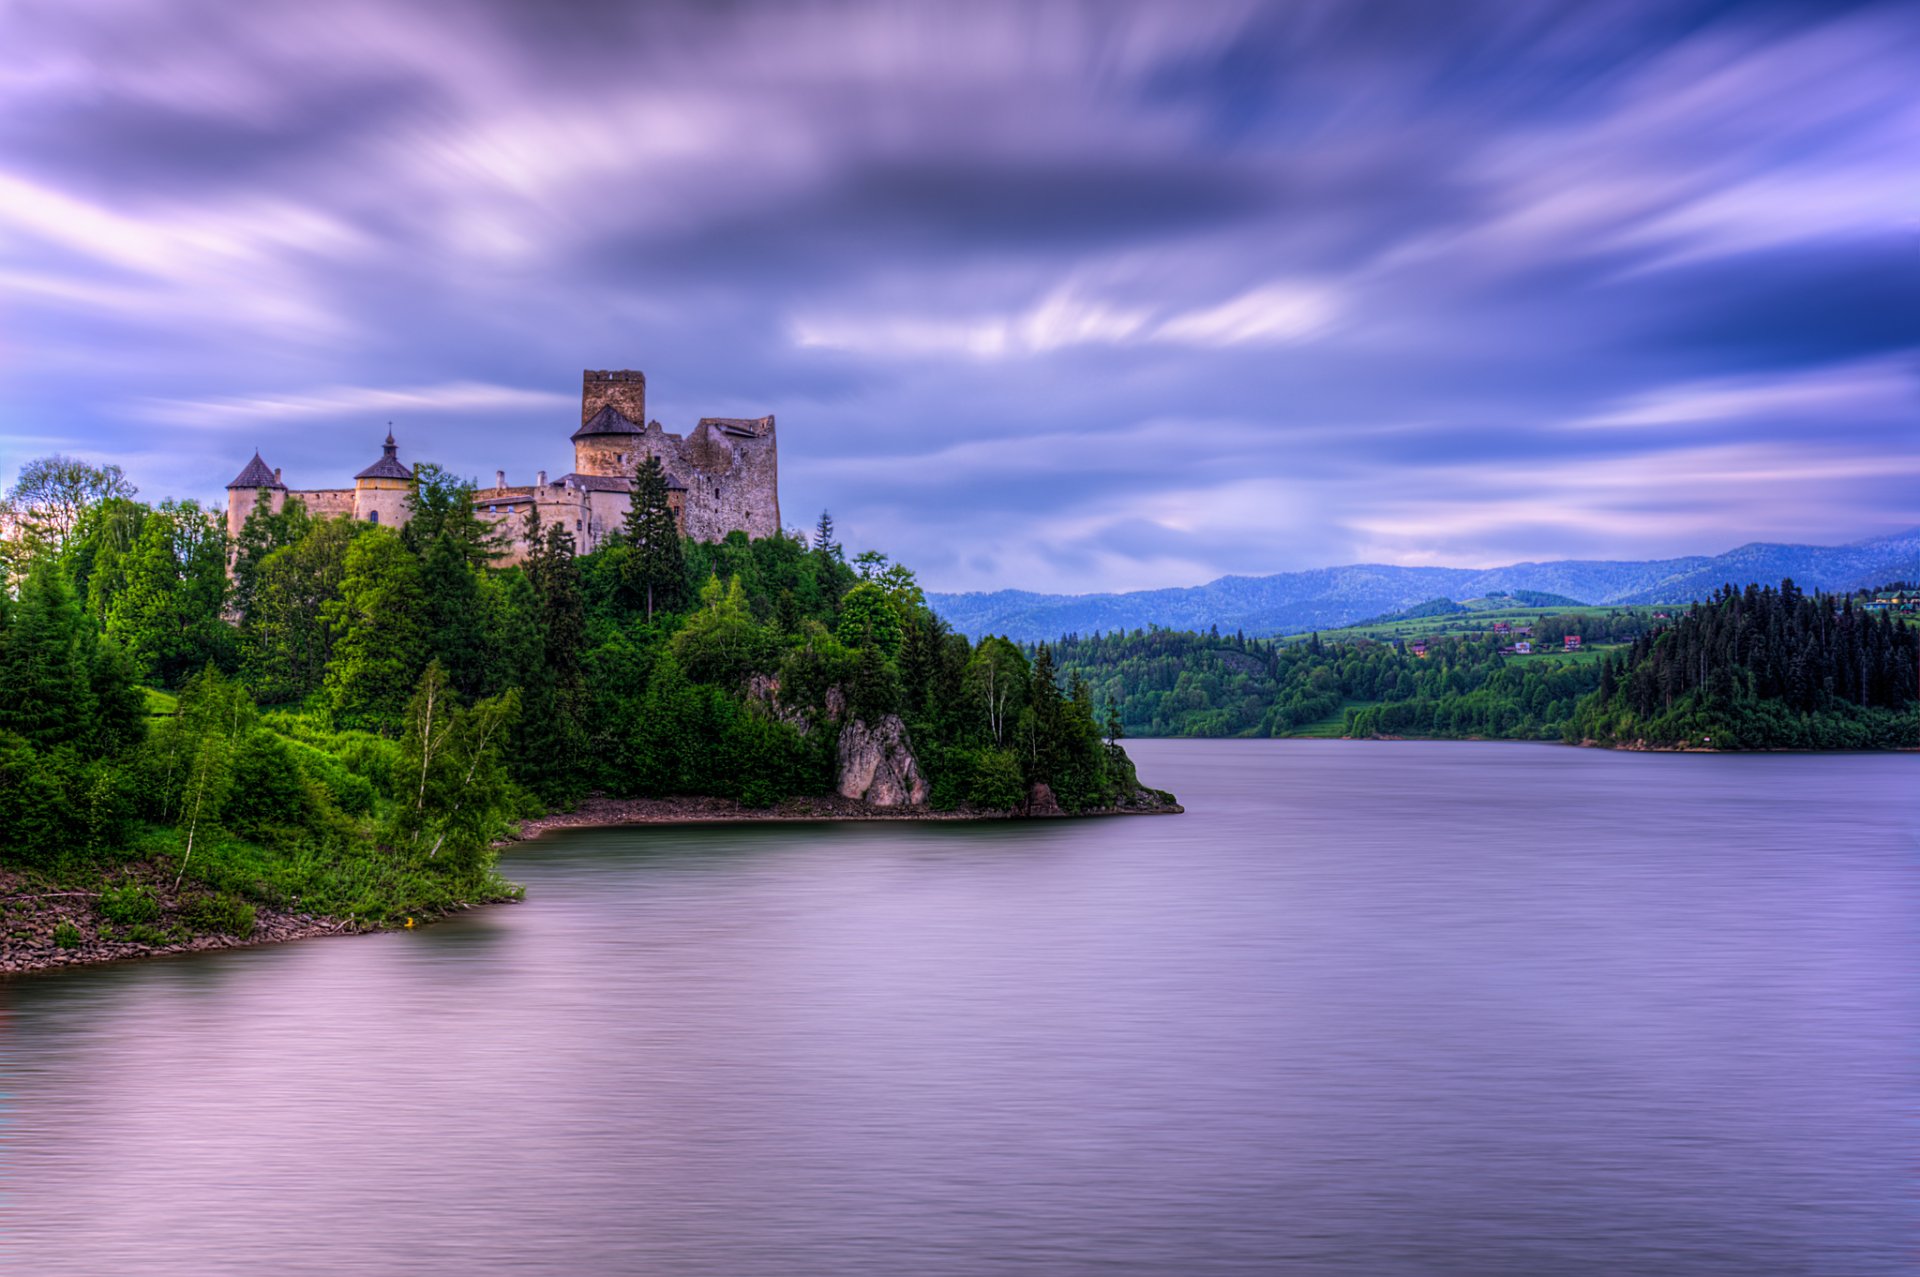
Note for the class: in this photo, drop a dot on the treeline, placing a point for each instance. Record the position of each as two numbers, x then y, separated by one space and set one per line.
1758 668
361 710
1176 683
1763 668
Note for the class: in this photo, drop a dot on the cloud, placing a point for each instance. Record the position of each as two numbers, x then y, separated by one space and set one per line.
1108 294
341 401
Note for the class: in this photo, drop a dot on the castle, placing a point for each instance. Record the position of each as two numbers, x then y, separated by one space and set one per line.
722 477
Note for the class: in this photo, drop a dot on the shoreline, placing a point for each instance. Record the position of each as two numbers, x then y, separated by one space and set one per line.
600 812
30 916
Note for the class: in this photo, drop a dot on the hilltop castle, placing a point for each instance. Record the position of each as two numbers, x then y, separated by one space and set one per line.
722 477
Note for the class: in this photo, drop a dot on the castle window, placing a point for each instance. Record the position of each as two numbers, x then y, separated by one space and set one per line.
373 516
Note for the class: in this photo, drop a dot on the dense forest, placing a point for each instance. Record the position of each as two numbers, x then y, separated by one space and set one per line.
1761 668
349 719
1177 683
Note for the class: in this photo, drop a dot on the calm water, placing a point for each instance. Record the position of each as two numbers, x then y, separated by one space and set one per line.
1368 1008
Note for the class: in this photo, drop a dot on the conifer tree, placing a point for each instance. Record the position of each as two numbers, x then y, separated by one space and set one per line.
654 571
46 692
823 542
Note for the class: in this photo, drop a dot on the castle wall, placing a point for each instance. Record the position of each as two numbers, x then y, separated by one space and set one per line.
327 503
625 390
729 468
731 471
242 501
385 498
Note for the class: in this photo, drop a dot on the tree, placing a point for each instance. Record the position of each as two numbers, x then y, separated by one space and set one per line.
823 542
455 625
996 680
868 617
197 748
721 643
167 612
288 634
654 569
52 493
46 691
264 531
455 786
441 504
380 620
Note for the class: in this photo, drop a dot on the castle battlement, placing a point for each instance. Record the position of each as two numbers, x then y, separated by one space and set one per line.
722 476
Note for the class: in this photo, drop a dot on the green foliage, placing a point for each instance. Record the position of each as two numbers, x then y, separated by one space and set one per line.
1762 668
287 630
869 617
721 643
52 495
172 587
129 903
380 618
653 567
218 913
66 935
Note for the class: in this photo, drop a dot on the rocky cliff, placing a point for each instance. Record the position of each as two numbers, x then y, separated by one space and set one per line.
877 764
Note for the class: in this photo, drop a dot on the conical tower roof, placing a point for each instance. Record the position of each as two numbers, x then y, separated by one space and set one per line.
258 474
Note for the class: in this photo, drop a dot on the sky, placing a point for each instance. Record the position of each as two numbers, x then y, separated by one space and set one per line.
1062 297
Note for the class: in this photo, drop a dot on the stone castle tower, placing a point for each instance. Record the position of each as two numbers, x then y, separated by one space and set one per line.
722 477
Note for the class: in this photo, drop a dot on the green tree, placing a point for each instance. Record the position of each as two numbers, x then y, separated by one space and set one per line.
868 617
168 612
288 633
380 620
264 531
46 684
996 681
654 568
456 790
720 642
440 504
823 542
53 493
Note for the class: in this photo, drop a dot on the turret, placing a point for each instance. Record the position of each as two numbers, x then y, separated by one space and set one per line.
244 493
380 491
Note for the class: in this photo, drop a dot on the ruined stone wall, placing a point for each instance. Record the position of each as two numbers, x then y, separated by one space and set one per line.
731 472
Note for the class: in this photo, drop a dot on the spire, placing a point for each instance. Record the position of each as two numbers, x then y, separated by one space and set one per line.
389 466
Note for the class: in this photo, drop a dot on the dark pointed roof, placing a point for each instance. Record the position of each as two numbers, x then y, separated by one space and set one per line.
258 474
389 466
608 421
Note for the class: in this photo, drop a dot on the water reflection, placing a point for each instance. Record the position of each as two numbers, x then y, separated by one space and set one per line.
1411 1008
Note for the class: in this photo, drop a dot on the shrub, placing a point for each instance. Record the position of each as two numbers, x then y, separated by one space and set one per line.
128 904
996 781
66 935
220 913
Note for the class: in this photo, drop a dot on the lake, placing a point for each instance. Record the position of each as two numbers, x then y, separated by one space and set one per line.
1368 1008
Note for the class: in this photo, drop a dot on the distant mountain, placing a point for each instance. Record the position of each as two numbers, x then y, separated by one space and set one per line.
1325 598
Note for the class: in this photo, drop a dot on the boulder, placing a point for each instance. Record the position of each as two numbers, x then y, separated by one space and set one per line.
1040 801
877 765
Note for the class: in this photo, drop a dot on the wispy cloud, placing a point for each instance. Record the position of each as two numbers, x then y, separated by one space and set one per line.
336 402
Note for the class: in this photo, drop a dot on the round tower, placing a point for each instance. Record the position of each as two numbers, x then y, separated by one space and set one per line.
380 491
255 482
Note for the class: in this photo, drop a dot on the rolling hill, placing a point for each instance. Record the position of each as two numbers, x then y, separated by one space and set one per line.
1323 598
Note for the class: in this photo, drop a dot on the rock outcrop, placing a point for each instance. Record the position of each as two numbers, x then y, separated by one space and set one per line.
877 766
1040 802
